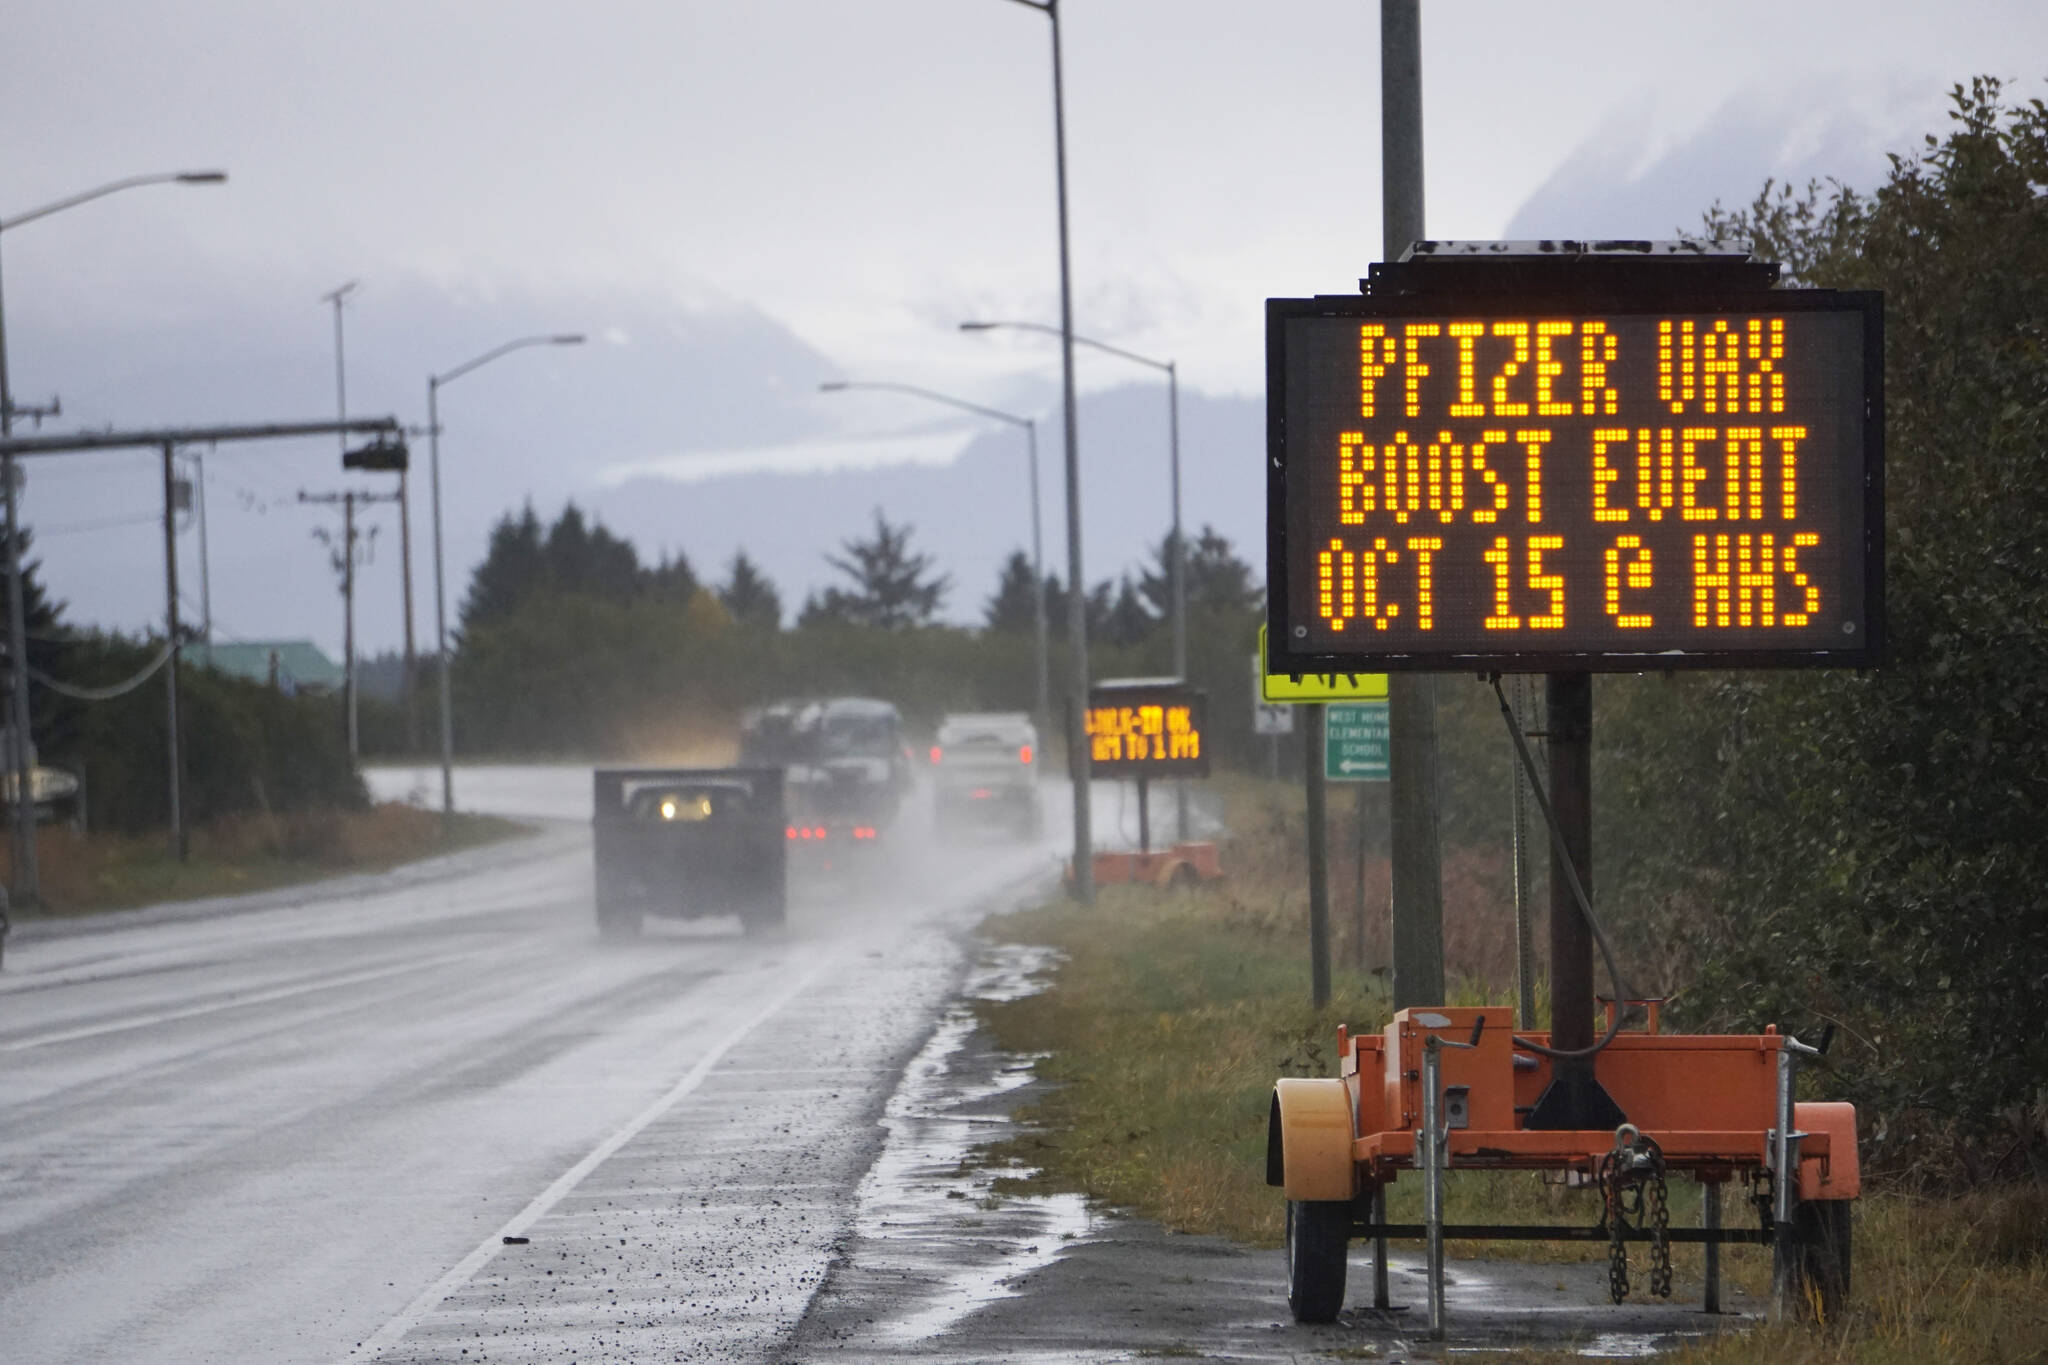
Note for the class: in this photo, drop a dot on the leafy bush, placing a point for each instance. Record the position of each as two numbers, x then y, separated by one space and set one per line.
244 747
1865 848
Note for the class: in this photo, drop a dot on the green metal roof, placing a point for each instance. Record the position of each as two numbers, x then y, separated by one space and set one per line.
299 663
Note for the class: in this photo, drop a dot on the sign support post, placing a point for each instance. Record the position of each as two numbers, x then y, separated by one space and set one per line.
1417 852
1575 1097
1318 864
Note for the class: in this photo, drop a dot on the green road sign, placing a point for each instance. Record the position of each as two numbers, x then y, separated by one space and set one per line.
1355 741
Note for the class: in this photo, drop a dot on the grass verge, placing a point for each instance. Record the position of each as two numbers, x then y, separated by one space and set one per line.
1172 1013
88 873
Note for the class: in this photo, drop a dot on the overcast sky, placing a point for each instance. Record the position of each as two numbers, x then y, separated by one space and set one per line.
859 176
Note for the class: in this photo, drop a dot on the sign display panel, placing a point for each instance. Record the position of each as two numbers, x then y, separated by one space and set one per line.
1492 481
1147 729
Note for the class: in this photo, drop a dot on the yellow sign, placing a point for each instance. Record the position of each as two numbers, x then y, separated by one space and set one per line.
1318 686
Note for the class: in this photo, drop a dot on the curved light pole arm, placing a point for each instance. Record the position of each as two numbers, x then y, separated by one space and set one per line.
563 339
1079 340
115 187
848 385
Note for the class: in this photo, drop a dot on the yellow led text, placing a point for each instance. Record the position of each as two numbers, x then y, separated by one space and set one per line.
1736 580
1153 733
1351 586
1442 478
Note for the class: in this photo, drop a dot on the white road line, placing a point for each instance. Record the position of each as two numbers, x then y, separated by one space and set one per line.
394 1331
235 1003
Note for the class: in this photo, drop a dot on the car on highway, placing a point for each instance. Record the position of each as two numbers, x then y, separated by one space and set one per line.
985 775
686 843
846 769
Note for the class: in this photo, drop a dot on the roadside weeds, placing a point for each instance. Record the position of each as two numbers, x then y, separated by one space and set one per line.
87 873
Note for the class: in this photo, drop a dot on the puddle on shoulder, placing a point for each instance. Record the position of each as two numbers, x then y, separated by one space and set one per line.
925 1222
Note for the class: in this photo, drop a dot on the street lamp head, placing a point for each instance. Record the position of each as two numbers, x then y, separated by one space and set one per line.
832 386
202 177
979 326
566 339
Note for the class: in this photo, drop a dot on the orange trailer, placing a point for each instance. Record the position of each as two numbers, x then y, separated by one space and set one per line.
1452 1089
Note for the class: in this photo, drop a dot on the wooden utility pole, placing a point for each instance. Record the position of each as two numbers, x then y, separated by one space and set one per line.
346 560
1418 948
171 633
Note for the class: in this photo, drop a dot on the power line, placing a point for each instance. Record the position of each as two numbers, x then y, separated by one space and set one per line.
78 692
102 524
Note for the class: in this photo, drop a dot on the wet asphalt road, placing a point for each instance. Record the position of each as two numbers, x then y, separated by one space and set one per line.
301 1127
429 1116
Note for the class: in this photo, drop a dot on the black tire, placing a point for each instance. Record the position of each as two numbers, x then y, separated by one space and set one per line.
1318 1234
617 924
1822 1263
766 920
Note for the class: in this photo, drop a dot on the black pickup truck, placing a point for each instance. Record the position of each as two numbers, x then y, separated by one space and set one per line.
688 843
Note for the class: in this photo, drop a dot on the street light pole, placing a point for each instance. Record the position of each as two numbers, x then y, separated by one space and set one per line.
1030 425
336 297
1176 567
1177 550
434 383
27 887
1077 582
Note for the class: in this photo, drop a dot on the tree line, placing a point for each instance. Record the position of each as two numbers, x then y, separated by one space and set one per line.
569 644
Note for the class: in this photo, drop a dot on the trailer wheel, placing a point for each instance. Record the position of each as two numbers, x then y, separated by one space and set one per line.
1318 1233
1822 1257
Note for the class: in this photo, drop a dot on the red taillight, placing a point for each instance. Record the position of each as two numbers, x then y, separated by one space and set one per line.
1024 754
863 832
790 832
936 753
978 794
818 833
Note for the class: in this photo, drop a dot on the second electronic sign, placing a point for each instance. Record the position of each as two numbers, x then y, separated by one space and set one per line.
1476 481
1147 728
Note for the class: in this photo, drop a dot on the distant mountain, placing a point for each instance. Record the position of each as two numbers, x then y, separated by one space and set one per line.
662 384
1652 171
971 513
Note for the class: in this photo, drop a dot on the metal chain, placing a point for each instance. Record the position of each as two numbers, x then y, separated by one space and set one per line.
1617 1250
1660 1233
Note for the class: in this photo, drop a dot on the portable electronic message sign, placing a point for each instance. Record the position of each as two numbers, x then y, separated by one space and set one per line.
1147 728
1531 481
